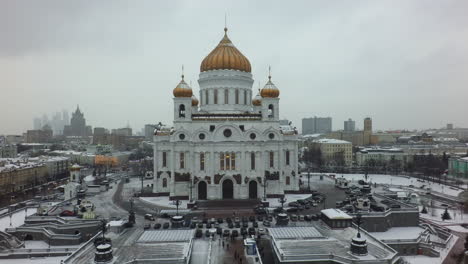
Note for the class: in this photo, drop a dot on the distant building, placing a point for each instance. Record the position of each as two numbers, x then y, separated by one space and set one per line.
37 123
8 151
149 131
77 125
449 126
458 167
101 136
334 152
126 131
368 124
350 125
19 175
383 156
357 138
43 135
316 125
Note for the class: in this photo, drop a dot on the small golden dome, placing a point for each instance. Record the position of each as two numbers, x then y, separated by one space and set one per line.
225 57
270 90
182 89
194 101
257 101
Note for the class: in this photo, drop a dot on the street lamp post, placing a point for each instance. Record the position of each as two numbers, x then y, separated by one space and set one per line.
264 190
177 203
282 200
308 178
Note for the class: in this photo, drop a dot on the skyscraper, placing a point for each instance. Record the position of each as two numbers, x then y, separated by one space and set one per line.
367 124
349 125
77 125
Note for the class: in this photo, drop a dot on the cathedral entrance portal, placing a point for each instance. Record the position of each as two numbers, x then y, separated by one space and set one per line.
253 190
202 190
228 189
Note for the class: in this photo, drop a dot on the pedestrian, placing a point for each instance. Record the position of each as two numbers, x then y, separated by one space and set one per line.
227 246
223 243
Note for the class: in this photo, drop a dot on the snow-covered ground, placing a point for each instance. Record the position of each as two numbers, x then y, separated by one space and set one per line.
17 219
435 214
402 181
274 202
163 201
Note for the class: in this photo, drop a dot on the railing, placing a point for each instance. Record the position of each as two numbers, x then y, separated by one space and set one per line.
36 250
81 248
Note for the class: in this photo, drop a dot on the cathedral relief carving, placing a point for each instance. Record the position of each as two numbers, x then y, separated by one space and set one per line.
293 173
217 178
238 178
272 176
259 180
182 177
246 180
208 179
158 174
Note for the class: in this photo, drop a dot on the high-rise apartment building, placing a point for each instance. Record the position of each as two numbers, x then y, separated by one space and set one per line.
349 125
315 125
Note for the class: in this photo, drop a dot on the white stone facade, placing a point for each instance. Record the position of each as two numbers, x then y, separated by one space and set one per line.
226 148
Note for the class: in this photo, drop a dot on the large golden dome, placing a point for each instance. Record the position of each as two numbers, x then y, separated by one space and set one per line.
225 57
182 89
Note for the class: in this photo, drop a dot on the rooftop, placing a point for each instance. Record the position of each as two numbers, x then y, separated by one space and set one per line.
335 214
331 141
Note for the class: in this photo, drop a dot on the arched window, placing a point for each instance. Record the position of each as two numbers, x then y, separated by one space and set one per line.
164 183
237 96
245 97
252 160
272 159
207 98
288 180
182 160
216 96
226 96
181 110
270 111
202 161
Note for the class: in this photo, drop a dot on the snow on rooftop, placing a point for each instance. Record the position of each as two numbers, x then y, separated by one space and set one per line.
166 236
331 141
399 233
294 232
333 213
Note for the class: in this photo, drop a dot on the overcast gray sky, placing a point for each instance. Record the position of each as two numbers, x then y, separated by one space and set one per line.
403 63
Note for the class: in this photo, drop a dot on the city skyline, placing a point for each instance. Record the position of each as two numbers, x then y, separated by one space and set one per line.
340 60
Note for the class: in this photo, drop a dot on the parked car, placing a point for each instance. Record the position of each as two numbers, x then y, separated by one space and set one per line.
207 233
245 224
255 224
147 226
235 233
251 218
228 220
157 226
226 233
237 225
230 225
260 218
208 225
149 217
200 225
293 218
301 218
308 218
198 233
193 225
219 230
293 204
251 231
292 210
266 223
243 231
166 225
220 220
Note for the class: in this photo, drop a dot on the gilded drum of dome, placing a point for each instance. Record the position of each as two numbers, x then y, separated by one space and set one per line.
225 57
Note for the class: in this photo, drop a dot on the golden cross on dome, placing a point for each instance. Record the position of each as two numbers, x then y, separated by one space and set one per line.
269 73
182 72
